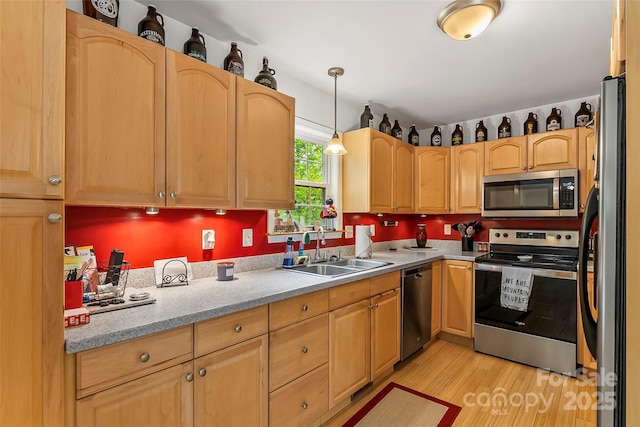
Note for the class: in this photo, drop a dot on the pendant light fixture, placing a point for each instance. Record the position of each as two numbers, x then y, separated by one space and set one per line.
335 147
465 19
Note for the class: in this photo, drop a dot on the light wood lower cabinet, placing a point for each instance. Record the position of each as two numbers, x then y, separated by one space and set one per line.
385 332
302 401
584 355
436 297
457 298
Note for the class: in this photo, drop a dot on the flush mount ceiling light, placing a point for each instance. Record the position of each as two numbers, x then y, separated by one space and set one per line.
335 147
465 19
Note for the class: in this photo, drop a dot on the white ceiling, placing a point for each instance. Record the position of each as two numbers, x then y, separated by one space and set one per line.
396 59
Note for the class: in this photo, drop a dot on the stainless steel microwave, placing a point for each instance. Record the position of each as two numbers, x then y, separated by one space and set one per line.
532 194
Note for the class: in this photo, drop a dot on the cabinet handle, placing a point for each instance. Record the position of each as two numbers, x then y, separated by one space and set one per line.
524 168
305 350
54 217
55 180
202 372
144 357
304 307
189 377
173 194
238 328
161 194
304 405
371 307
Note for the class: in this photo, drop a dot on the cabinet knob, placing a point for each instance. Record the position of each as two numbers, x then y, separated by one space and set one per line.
54 217
202 372
376 305
305 350
238 328
370 307
189 377
173 194
304 405
581 205
144 357
304 307
524 168
530 166
161 194
468 267
55 180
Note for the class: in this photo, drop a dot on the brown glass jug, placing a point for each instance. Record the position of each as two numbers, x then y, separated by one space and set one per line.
103 10
396 130
414 136
234 62
265 76
457 136
366 119
421 236
481 132
531 125
583 116
152 26
504 129
436 137
554 121
385 125
194 46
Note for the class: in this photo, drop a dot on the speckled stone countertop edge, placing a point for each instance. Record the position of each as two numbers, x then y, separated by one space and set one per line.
209 298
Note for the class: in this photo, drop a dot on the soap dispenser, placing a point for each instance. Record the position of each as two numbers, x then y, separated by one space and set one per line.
288 253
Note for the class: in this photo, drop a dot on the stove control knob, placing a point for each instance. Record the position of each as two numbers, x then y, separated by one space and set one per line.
568 237
558 236
497 234
505 235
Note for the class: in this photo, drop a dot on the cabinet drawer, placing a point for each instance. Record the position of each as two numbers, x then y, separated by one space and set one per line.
301 402
214 334
115 364
296 309
340 296
297 349
383 283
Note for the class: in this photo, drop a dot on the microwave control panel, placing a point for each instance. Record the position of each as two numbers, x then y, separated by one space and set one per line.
568 192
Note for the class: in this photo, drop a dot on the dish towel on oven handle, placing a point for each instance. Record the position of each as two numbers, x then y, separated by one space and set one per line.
515 288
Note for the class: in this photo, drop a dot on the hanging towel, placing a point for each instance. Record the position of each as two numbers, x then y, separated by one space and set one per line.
515 288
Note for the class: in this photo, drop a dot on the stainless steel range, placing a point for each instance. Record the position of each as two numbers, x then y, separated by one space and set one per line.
526 298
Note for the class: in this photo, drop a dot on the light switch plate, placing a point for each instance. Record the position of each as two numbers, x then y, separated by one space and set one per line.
447 229
247 237
208 239
348 231
373 229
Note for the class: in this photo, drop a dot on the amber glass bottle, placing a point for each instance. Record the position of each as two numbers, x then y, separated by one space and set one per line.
366 119
396 131
265 76
414 136
531 125
151 27
504 129
104 11
436 137
233 61
194 47
457 136
554 121
583 116
481 132
385 125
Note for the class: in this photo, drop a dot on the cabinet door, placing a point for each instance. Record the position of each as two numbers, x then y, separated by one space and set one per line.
467 169
231 385
32 98
584 355
382 173
503 156
264 145
161 399
385 332
201 137
32 333
432 177
436 297
457 294
403 171
553 150
115 119
587 145
349 351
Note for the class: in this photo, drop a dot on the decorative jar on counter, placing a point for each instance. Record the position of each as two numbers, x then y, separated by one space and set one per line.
421 236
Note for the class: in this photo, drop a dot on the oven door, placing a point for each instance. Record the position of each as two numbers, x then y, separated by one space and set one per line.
551 310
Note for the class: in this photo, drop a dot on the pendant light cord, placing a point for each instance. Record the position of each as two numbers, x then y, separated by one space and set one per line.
335 105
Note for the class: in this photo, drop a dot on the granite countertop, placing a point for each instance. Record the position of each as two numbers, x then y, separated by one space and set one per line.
208 298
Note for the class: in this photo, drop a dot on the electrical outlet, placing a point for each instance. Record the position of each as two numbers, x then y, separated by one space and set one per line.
348 231
373 229
447 229
247 237
208 239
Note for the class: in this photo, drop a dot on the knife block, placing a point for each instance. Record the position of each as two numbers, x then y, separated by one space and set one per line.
467 244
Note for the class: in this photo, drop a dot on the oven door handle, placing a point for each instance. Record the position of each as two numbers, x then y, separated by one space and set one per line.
542 272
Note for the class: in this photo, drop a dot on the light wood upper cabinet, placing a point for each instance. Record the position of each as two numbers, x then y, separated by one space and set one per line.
432 179
457 298
504 156
587 145
618 53
264 147
32 333
552 150
32 99
467 169
200 148
436 297
385 332
115 117
377 173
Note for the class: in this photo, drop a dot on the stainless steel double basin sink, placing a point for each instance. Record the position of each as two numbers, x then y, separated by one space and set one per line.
338 268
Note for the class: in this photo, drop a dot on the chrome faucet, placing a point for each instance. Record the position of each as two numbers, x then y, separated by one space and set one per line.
320 236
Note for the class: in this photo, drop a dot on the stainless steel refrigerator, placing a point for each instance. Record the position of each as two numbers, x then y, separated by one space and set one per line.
606 204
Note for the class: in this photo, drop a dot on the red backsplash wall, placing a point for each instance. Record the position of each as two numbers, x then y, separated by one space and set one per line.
177 232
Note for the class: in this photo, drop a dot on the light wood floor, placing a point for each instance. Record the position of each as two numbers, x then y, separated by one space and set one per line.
457 374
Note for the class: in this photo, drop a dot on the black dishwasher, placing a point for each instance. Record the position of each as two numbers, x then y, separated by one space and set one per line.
416 309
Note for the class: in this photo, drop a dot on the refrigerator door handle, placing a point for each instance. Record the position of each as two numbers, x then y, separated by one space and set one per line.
589 324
